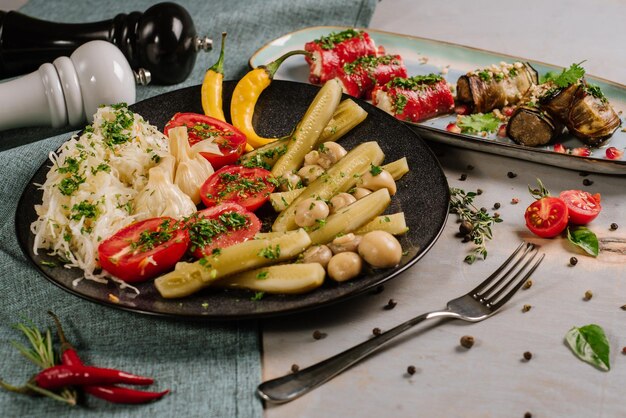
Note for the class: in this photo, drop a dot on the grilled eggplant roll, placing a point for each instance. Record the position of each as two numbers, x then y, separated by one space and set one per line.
496 87
329 53
584 110
416 98
532 127
359 77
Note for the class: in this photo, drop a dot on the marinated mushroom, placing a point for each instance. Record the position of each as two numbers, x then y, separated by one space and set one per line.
340 200
360 192
311 157
379 180
290 181
380 249
317 254
330 153
347 242
344 266
308 173
311 210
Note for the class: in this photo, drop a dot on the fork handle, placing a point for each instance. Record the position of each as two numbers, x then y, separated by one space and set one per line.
294 385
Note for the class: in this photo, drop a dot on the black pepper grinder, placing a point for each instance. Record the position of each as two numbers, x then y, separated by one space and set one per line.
162 41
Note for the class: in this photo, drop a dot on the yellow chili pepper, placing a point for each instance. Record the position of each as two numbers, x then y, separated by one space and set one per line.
211 92
246 94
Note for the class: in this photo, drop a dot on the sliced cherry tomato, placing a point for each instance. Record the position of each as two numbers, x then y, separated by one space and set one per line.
248 187
144 249
547 217
582 207
229 139
219 227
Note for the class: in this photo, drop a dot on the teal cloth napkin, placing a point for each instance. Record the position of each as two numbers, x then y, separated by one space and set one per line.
212 368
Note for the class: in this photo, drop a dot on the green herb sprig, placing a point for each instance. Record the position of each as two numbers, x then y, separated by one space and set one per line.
479 122
462 204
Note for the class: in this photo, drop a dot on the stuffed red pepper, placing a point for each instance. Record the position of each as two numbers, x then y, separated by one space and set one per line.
416 98
358 78
329 53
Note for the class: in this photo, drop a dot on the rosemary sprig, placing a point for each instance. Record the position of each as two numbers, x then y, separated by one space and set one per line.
462 203
42 354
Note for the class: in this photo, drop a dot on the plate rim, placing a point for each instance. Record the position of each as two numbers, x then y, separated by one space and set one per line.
23 243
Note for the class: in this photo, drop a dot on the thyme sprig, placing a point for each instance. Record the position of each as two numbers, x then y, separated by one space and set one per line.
462 204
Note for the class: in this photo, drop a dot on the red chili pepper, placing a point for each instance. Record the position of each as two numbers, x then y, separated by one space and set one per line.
115 394
61 376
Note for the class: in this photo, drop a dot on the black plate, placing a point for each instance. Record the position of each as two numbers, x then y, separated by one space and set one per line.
422 195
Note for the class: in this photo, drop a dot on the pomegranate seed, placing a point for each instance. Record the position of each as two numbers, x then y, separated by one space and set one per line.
558 147
502 131
453 127
613 153
508 110
462 110
381 51
581 152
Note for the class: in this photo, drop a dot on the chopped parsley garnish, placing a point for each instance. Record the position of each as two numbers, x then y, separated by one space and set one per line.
595 91
203 231
479 122
270 252
69 185
84 209
375 169
148 240
101 167
48 263
416 82
329 42
257 296
71 165
262 275
400 103
369 63
113 131
484 75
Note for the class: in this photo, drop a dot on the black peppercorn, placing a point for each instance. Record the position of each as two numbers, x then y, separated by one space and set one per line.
376 331
614 226
466 227
511 175
318 335
411 370
528 415
463 177
496 205
479 191
573 261
295 368
528 355
467 341
587 182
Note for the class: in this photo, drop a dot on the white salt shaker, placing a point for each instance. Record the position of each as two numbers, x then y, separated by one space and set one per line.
69 90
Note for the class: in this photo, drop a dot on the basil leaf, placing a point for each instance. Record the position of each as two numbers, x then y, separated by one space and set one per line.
590 344
584 238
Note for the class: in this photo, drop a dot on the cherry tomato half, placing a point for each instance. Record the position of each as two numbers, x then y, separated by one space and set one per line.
219 227
582 207
547 217
248 187
229 139
144 249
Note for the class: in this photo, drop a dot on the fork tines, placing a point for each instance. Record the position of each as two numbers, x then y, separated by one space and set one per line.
504 283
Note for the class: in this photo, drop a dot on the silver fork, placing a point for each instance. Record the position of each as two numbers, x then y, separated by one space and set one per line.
480 303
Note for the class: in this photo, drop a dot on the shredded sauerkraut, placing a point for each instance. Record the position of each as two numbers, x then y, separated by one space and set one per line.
88 193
